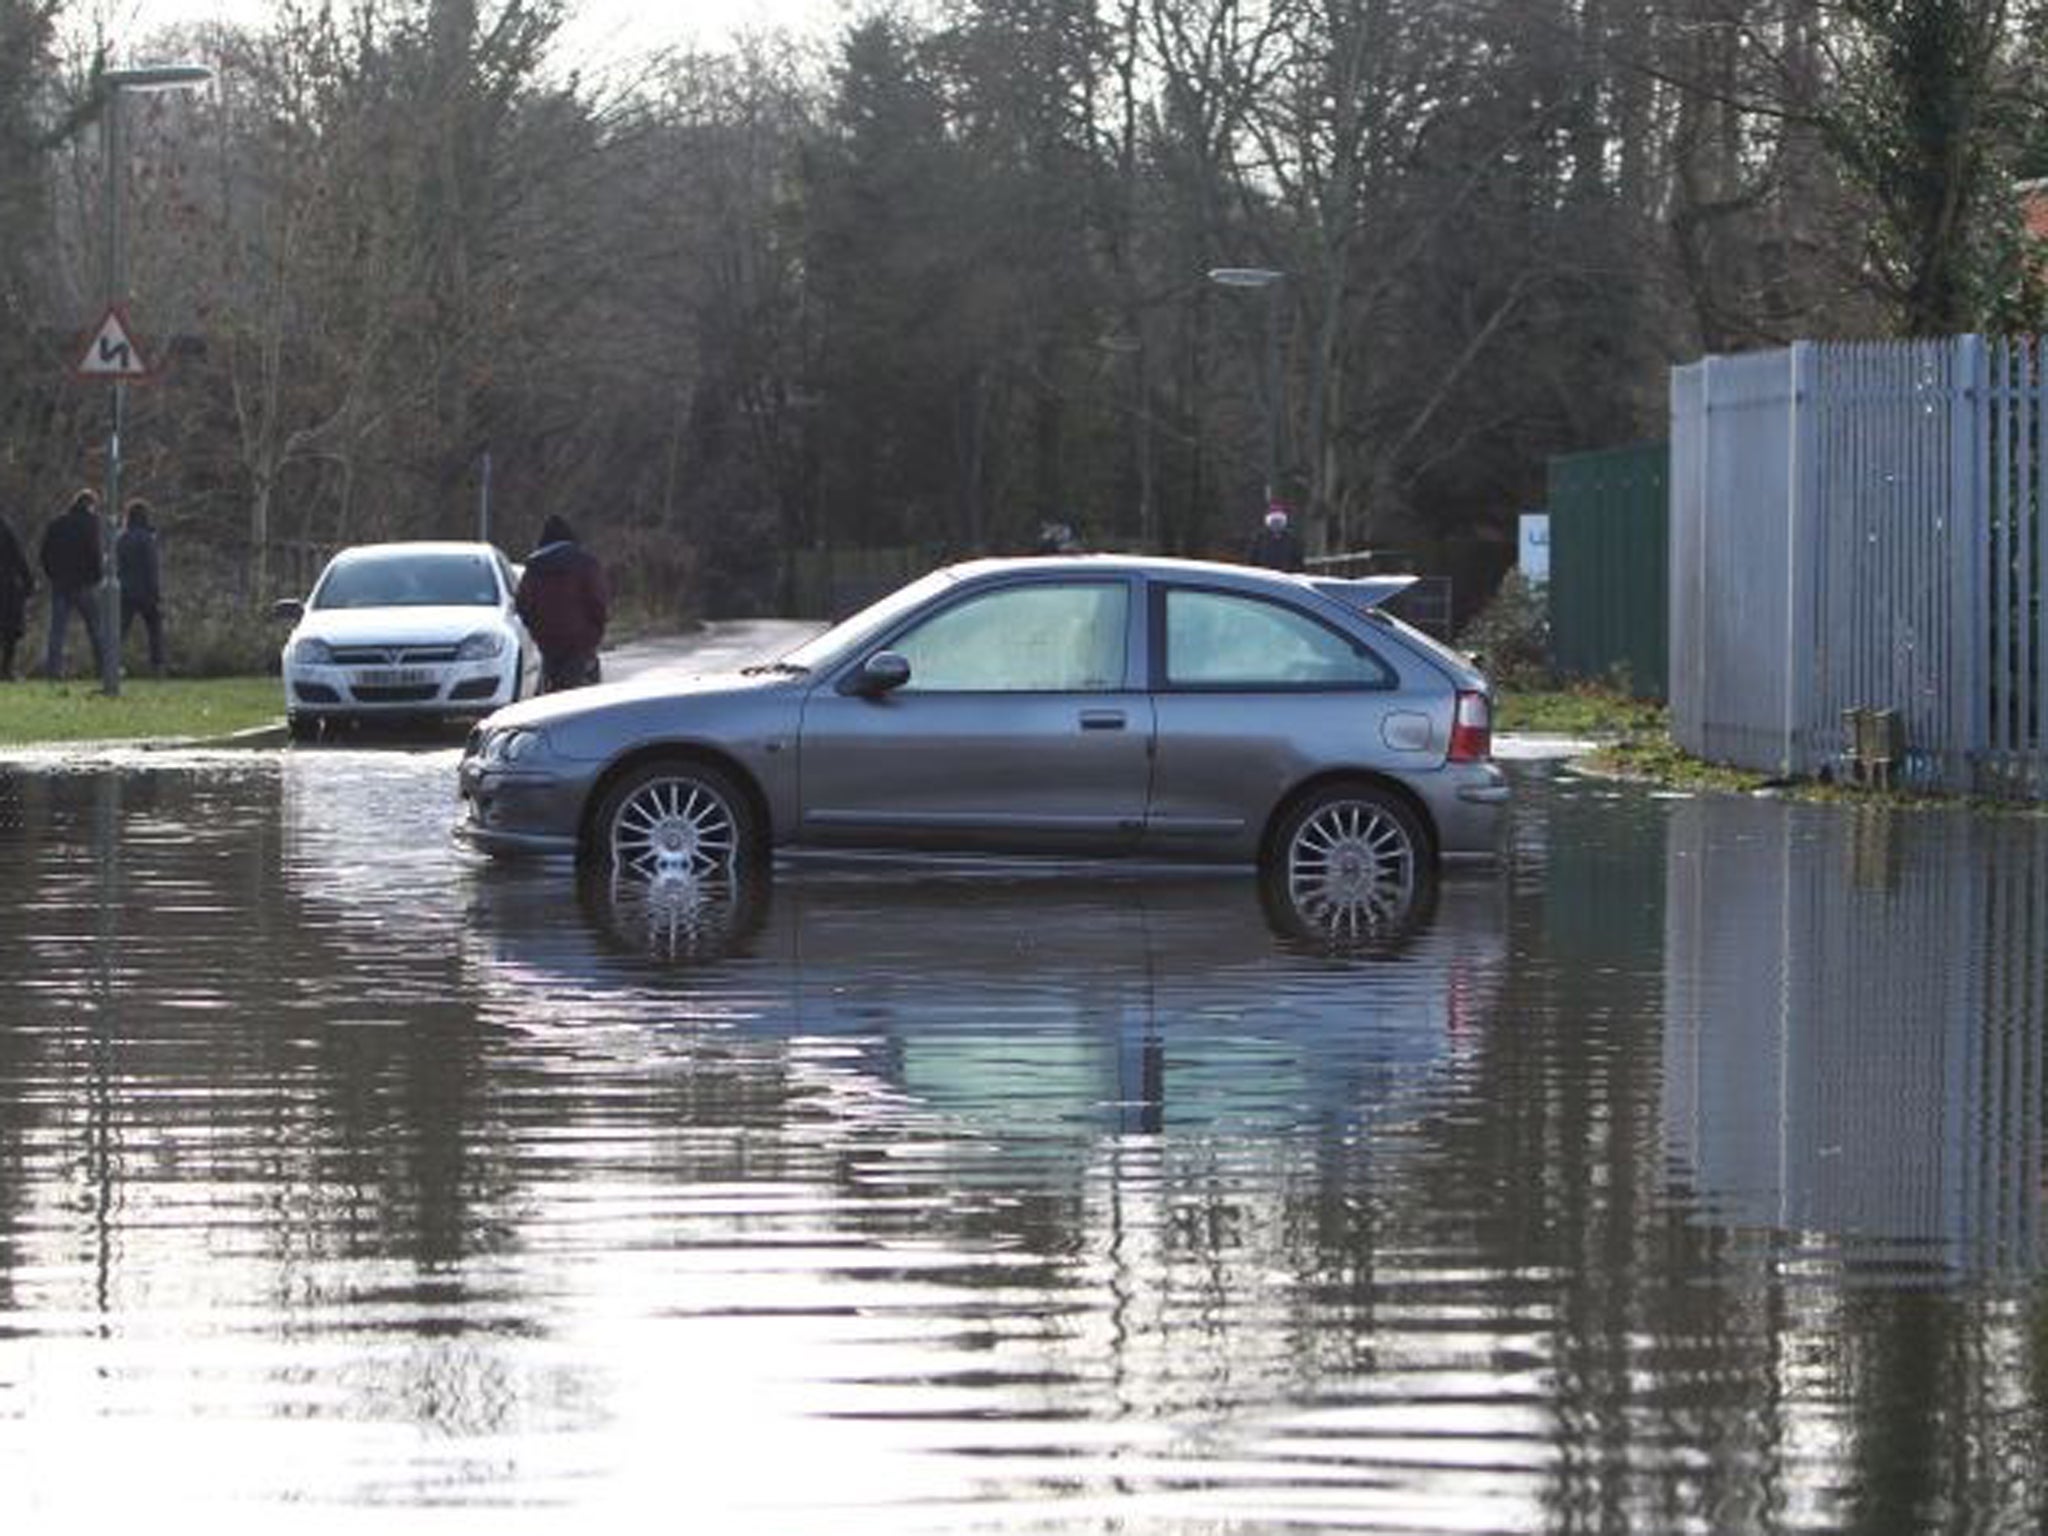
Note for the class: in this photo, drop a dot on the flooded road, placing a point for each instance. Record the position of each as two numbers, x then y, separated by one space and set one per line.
1683 1173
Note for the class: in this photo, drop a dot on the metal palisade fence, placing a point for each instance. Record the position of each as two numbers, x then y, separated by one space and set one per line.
1864 527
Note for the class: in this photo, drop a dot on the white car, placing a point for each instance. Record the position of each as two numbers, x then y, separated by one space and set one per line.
423 630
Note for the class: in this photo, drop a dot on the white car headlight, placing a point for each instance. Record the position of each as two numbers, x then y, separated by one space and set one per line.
481 646
309 652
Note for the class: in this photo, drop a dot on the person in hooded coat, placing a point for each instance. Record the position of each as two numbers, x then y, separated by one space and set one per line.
1276 545
141 571
16 582
564 602
70 557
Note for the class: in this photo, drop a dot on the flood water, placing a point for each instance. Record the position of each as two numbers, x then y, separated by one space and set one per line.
1684 1172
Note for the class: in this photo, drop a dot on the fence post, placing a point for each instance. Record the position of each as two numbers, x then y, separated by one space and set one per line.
1679 488
1969 623
1801 527
1691 553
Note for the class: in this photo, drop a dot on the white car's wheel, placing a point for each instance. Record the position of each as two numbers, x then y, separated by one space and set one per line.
674 821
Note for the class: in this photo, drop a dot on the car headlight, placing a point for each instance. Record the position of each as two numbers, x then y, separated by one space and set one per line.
481 646
514 746
308 652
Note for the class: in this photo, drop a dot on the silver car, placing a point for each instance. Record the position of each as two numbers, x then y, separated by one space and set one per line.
1087 705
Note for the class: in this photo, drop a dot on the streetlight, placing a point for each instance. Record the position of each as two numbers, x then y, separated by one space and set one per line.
1268 278
149 77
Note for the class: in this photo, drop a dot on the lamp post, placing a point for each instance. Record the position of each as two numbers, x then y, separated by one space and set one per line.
152 77
1268 278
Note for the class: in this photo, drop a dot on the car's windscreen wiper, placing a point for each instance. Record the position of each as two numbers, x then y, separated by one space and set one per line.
789 668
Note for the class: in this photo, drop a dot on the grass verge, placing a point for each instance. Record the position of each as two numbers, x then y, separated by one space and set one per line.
36 712
1589 712
1632 736
1632 740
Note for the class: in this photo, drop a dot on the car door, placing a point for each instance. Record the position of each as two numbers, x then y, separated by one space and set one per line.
1256 694
1016 730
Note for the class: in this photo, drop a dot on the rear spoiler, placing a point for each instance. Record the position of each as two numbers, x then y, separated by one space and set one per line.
1370 593
1366 592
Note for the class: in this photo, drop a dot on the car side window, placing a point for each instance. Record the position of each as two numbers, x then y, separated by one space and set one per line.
1043 638
1227 640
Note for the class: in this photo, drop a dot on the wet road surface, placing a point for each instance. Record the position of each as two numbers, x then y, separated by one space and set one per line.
715 647
1684 1172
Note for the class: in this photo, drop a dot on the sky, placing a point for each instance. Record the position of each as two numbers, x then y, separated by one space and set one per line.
600 31
613 28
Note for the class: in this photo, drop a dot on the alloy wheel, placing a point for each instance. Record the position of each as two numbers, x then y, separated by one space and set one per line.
1351 866
674 829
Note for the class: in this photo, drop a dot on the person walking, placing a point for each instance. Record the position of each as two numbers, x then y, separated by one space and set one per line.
137 563
1057 538
16 582
1276 545
70 557
565 604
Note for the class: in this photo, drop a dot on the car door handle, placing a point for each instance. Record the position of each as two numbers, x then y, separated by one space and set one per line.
1102 720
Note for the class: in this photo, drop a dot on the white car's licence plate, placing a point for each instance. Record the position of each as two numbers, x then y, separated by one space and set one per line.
393 677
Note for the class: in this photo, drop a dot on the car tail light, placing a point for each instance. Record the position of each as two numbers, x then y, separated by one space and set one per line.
1472 728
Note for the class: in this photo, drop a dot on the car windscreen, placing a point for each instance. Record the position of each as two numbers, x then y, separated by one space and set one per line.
851 634
452 580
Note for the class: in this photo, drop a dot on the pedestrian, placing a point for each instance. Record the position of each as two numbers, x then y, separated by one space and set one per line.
1057 538
1276 545
71 560
136 562
16 582
564 603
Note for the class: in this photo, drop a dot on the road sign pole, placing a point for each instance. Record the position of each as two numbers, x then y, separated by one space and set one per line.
117 283
112 354
110 577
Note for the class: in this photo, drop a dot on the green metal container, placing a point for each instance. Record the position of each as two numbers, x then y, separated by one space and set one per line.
1610 524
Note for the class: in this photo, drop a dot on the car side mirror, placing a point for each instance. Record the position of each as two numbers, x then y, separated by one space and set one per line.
881 673
289 609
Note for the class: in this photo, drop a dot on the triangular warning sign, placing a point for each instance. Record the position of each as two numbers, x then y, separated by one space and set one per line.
113 353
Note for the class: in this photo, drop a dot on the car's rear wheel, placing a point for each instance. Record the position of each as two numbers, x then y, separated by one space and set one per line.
674 821
1351 854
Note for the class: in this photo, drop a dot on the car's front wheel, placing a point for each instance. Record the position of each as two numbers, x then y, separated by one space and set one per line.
1351 853
673 821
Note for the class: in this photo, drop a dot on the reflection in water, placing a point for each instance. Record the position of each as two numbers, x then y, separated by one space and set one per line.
692 918
1853 1090
695 918
1039 1002
1853 1046
1683 1174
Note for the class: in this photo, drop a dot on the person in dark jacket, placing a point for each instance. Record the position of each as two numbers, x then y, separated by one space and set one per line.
564 603
1276 545
136 563
1057 539
71 560
16 582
